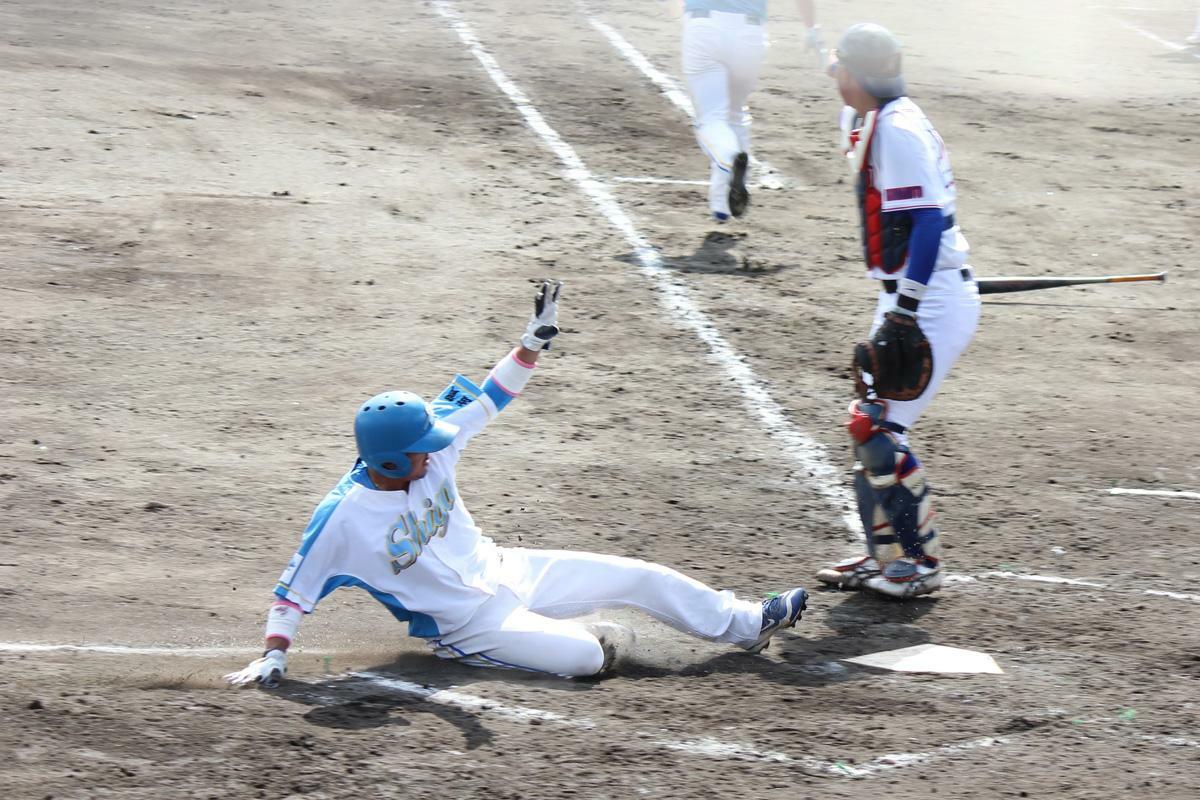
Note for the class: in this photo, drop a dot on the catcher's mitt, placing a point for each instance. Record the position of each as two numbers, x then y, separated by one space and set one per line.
897 358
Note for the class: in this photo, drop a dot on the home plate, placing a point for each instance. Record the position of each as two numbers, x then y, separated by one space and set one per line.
931 658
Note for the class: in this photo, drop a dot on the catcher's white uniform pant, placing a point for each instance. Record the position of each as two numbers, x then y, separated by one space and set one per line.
526 624
722 56
948 315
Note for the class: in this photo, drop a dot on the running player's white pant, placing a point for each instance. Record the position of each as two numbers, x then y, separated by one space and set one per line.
527 624
948 315
722 56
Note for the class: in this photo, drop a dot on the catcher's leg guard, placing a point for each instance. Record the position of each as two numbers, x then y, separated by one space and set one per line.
896 510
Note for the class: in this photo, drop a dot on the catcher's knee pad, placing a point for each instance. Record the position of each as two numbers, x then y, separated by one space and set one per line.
893 499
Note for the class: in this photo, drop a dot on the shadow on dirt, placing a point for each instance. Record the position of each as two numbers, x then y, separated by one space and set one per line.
361 701
717 255
858 625
861 624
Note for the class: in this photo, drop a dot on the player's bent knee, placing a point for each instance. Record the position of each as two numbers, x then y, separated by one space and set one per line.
583 658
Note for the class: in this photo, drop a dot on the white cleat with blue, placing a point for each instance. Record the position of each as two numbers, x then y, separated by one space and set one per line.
779 612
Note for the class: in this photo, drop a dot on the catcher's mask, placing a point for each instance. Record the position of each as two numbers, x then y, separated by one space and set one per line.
391 425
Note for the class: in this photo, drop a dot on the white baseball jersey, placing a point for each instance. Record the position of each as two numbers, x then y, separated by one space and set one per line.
418 552
908 168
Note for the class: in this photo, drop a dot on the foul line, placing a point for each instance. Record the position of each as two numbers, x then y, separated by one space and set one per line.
671 181
706 747
675 298
1052 579
1179 48
671 89
118 650
470 702
1157 493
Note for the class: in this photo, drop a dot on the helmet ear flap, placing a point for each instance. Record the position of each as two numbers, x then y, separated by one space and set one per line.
392 468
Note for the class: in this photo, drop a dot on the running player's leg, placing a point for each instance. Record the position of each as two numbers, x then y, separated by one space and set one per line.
745 48
707 78
563 584
504 633
745 58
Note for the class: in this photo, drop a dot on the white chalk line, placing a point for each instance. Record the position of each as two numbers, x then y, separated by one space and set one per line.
1041 579
669 181
674 297
470 702
1157 493
706 747
1179 48
207 652
1054 579
765 175
714 748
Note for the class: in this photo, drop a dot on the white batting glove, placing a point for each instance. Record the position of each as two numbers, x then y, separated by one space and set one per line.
543 324
266 671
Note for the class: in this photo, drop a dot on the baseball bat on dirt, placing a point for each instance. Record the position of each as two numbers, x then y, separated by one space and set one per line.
1001 285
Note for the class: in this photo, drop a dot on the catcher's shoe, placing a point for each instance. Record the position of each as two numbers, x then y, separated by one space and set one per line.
906 578
739 196
779 612
850 573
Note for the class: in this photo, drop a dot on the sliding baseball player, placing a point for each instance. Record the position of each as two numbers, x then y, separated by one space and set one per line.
926 314
396 527
724 43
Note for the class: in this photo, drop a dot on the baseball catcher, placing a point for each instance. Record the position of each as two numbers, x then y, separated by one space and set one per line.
396 527
926 314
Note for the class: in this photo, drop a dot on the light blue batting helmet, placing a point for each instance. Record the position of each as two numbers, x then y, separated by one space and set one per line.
391 425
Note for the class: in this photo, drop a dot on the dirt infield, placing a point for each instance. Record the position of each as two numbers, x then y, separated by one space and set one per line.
226 223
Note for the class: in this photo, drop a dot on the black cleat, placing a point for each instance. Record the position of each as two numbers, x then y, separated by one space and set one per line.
739 197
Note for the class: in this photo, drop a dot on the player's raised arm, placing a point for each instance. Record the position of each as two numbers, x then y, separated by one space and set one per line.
510 375
472 407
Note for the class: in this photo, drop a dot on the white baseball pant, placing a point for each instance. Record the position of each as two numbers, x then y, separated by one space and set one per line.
526 624
722 57
948 316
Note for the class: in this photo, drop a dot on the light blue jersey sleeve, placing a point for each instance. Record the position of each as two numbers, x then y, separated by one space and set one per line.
754 8
472 407
318 556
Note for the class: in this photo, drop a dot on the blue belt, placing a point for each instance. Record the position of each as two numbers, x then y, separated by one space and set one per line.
751 19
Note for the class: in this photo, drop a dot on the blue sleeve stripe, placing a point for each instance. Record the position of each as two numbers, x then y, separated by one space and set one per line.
498 394
321 516
419 624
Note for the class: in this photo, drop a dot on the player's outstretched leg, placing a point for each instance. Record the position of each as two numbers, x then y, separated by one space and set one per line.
564 584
